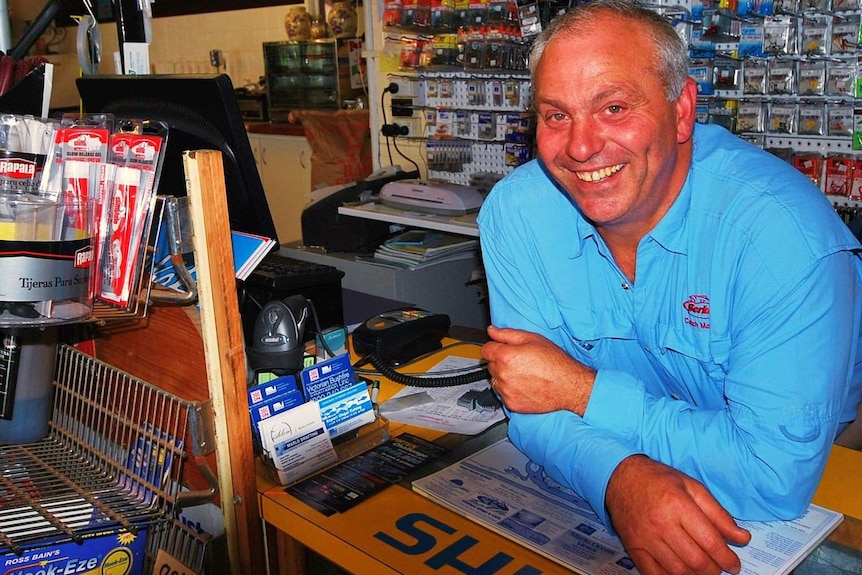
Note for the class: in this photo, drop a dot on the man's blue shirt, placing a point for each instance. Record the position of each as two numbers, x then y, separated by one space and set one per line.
734 356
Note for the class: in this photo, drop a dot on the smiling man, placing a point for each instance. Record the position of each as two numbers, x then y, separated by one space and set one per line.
676 312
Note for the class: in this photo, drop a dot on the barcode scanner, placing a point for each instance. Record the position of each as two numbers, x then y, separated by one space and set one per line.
277 341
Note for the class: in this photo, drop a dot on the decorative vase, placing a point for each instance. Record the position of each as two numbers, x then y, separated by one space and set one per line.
318 28
342 20
297 23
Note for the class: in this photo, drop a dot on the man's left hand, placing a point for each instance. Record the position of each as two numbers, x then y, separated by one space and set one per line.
669 522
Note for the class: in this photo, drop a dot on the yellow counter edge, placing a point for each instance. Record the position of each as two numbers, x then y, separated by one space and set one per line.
840 488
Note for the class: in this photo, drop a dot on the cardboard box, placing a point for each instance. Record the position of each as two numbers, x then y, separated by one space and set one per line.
110 552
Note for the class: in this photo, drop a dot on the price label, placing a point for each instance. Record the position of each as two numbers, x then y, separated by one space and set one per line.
166 564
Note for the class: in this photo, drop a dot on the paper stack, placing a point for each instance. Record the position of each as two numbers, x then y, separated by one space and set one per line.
417 249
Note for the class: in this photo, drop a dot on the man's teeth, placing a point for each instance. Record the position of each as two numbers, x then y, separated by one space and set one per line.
601 174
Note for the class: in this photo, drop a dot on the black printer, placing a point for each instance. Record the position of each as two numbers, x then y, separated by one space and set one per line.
324 227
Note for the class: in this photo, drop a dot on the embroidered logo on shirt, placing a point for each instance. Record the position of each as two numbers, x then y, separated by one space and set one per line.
697 307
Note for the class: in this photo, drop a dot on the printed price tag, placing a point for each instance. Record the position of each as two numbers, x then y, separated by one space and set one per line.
166 564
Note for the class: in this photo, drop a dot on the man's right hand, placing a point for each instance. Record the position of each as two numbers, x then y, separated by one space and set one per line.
669 522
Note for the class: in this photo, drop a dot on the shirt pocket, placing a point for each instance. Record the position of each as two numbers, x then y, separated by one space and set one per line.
596 340
690 354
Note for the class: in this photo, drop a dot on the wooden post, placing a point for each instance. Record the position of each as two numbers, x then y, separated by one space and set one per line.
225 359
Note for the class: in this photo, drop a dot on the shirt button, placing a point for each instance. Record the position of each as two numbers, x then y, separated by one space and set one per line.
647 349
625 286
674 396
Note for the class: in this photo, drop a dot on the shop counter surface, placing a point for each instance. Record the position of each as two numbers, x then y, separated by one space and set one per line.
397 531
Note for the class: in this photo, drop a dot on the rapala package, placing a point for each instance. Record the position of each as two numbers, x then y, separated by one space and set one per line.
77 194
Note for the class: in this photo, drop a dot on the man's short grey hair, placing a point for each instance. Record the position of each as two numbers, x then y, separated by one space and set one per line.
671 52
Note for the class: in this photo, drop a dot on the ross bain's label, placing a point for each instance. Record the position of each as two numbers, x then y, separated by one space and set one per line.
38 271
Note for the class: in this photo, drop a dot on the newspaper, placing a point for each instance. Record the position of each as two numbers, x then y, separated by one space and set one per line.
469 409
503 490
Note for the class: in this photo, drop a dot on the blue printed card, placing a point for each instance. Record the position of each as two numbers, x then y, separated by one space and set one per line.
327 377
272 389
274 405
347 409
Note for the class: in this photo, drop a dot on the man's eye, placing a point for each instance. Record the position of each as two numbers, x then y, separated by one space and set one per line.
615 109
558 117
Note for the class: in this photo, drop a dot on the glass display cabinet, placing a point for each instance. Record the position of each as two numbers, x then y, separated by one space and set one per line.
305 74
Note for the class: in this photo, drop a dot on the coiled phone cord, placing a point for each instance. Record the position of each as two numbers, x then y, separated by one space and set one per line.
390 373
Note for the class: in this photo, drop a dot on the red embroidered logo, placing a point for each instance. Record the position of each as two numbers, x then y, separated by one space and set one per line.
697 307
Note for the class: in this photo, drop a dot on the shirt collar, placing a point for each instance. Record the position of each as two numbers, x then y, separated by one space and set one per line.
671 232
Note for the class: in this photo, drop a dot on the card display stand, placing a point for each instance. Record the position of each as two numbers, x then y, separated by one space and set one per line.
365 438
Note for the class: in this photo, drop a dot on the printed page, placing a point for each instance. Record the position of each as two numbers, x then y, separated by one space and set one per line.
467 409
502 489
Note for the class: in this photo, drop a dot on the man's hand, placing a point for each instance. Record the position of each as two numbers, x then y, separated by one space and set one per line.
670 523
533 375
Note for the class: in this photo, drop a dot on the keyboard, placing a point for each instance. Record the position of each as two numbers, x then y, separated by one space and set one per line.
279 273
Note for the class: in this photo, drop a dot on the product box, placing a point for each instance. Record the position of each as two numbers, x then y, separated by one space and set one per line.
117 552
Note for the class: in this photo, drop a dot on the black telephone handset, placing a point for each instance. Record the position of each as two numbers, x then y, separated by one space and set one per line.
400 335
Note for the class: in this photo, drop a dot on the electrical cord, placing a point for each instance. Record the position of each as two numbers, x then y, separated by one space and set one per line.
400 153
391 88
388 130
317 327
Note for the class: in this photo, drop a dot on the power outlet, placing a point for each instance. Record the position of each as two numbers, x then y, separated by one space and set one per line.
407 87
413 126
402 107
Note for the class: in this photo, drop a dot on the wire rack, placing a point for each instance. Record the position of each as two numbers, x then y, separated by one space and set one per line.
192 549
112 460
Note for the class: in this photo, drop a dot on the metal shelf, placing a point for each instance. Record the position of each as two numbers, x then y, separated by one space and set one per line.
463 225
112 460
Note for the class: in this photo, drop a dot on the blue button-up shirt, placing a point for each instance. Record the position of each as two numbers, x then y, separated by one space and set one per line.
734 356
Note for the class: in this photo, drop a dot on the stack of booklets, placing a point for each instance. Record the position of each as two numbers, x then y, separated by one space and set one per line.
248 251
417 249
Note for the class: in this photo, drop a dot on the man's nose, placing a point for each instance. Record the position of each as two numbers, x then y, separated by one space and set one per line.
585 139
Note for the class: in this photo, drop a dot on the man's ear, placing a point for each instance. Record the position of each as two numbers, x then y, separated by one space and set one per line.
686 106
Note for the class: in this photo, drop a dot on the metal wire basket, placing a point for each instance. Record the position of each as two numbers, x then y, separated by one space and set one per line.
112 460
194 550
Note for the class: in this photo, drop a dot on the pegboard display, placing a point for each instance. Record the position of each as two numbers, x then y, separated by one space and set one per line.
468 121
784 74
474 161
